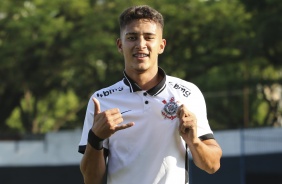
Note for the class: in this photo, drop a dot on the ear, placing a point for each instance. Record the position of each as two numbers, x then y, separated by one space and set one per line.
162 46
119 45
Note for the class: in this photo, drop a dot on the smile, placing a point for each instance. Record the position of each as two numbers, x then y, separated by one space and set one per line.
140 55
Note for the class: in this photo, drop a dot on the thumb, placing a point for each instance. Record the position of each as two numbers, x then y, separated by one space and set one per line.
97 106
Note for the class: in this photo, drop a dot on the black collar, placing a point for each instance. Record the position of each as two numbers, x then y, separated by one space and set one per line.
153 91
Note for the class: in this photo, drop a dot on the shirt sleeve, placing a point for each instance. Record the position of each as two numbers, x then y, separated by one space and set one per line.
88 122
197 105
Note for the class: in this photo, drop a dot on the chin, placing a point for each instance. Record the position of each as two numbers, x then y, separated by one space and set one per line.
140 70
141 67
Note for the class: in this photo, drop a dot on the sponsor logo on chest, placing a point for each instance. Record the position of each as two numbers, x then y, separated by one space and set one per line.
109 92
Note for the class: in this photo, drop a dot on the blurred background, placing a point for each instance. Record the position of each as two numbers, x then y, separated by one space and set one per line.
54 54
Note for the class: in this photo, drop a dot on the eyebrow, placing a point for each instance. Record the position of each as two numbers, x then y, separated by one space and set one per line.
135 33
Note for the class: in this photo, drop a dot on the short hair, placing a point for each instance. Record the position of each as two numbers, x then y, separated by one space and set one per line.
140 12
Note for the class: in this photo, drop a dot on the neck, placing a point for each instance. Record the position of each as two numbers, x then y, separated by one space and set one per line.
145 80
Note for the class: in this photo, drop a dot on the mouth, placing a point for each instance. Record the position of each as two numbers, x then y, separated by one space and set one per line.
140 55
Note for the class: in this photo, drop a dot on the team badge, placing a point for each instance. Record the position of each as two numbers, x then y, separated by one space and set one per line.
170 109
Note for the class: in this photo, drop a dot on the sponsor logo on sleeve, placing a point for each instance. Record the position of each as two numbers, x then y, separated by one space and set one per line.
185 91
108 92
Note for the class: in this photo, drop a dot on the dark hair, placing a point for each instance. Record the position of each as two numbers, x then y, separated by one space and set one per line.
140 12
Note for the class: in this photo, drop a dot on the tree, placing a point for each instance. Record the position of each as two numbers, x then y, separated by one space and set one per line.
59 52
267 50
35 54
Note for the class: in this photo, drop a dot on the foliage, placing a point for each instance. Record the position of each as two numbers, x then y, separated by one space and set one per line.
54 54
65 106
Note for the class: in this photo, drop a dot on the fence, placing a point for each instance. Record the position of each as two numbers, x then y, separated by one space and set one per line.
249 156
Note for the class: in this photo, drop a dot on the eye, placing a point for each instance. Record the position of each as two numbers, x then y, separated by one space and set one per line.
149 37
131 38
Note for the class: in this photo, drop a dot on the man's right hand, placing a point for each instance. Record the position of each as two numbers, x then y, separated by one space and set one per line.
108 122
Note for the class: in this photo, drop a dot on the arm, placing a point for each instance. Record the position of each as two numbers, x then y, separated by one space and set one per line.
93 163
207 153
93 166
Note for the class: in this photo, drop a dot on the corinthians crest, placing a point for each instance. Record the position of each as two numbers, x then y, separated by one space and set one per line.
170 109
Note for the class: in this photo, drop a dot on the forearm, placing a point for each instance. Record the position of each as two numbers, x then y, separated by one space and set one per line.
206 155
93 166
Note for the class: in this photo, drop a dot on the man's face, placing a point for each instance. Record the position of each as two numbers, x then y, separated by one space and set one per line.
140 43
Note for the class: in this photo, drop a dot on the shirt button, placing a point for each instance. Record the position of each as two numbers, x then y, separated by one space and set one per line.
146 102
145 94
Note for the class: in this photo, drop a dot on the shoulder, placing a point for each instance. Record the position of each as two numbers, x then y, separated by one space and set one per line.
176 80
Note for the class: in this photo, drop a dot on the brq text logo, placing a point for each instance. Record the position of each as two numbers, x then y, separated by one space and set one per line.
109 92
186 92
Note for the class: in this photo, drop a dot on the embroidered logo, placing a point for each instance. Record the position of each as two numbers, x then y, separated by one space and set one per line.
170 109
125 111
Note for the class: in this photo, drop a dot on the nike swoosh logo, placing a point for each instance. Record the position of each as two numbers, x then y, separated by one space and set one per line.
125 111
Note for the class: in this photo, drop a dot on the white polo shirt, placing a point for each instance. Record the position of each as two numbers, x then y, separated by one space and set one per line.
152 151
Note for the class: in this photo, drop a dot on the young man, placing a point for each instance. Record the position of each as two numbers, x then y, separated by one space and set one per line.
140 129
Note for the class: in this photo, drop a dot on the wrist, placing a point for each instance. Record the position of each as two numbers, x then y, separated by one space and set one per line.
95 141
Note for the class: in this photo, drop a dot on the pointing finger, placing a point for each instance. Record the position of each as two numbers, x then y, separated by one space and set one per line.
97 106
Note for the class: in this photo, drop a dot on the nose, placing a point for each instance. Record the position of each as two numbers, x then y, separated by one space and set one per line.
141 43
